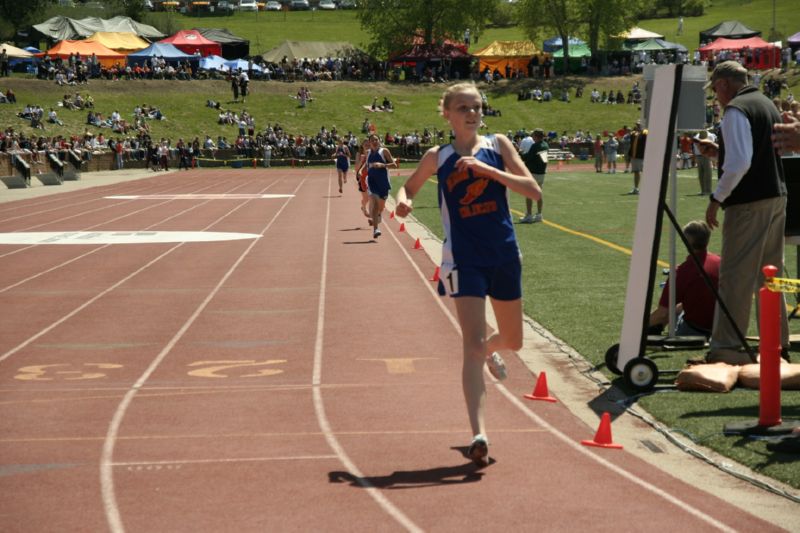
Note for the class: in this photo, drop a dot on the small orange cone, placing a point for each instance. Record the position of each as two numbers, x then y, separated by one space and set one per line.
602 439
418 245
435 276
391 215
540 391
402 227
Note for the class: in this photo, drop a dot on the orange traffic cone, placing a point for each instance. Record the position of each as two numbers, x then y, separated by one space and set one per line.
402 227
391 215
602 439
418 245
540 391
435 276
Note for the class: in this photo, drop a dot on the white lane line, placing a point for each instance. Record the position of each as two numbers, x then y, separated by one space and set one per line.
319 405
18 250
106 470
89 302
710 520
227 461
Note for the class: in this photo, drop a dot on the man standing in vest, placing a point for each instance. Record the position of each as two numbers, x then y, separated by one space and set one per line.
752 192
533 151
636 151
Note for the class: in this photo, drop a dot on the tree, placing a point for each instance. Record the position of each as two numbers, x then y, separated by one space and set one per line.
19 17
568 18
565 17
394 24
609 17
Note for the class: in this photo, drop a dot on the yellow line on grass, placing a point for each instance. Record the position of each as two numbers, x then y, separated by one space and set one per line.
598 240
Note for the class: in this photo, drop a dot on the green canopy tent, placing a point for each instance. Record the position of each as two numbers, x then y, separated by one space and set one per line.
576 62
654 45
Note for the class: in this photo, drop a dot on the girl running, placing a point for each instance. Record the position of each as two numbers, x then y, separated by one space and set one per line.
480 255
361 177
379 159
342 162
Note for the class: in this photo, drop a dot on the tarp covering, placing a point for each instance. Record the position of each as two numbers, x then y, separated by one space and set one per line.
165 50
653 45
309 49
575 50
233 47
639 34
60 27
762 54
794 40
123 42
192 41
67 47
554 43
243 64
14 52
213 62
731 29
514 54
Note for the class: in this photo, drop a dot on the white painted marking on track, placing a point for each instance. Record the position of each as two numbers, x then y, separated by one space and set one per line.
107 490
319 404
230 460
576 446
197 196
119 237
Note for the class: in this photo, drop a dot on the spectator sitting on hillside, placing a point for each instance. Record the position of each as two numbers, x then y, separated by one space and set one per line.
565 95
52 117
547 95
10 96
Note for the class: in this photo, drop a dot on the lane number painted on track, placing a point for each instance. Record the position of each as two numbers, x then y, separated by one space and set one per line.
399 365
220 369
230 368
119 237
64 371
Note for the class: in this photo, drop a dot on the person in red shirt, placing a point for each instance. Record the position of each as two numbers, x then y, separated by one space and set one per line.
695 301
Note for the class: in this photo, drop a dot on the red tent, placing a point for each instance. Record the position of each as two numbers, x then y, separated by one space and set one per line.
191 41
758 53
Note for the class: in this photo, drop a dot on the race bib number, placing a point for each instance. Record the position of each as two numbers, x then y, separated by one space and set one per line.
449 279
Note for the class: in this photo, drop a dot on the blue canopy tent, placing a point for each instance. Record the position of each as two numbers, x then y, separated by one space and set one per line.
213 63
165 50
243 64
555 43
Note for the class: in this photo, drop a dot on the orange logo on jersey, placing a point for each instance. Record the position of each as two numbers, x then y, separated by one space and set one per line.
474 190
455 178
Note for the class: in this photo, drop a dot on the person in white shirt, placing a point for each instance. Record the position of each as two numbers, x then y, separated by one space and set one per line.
752 191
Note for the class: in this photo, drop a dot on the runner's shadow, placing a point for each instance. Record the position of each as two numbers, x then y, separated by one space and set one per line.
408 479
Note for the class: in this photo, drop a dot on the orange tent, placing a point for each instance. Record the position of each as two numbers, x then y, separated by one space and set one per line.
84 49
515 54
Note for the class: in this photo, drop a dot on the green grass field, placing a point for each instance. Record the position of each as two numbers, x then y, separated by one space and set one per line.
574 286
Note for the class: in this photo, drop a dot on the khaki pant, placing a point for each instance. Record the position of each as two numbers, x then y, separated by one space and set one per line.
752 237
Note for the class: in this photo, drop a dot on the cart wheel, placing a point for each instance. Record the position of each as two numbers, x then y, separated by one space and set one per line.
612 354
641 374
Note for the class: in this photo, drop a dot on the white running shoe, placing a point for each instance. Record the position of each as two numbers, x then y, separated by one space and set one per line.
527 219
376 233
479 450
497 367
537 217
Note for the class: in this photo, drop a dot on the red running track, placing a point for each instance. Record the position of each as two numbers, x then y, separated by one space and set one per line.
307 379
